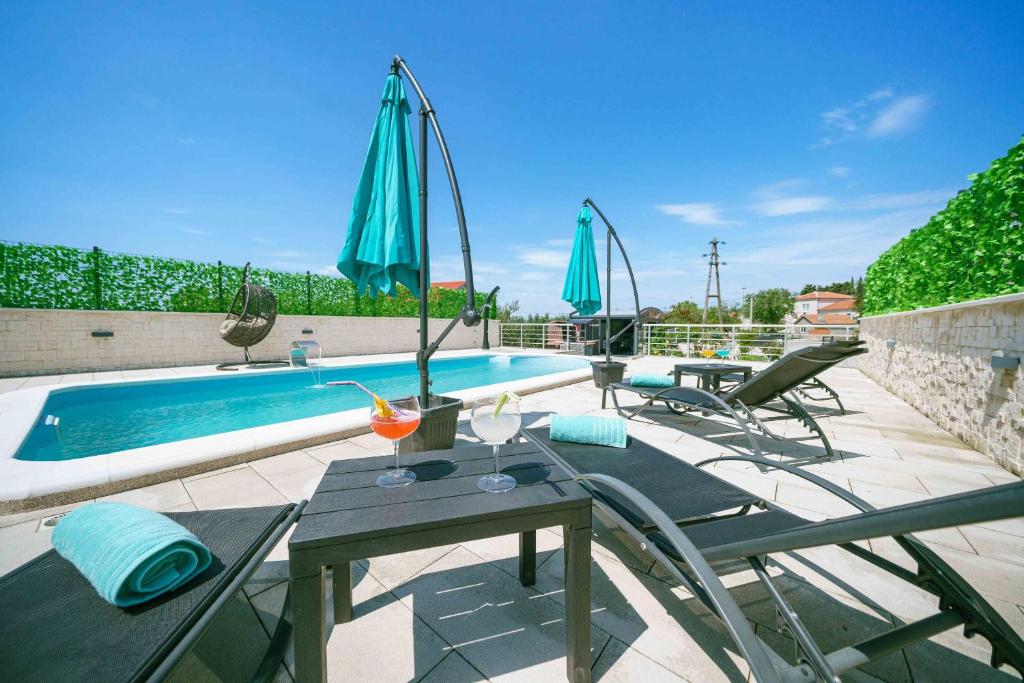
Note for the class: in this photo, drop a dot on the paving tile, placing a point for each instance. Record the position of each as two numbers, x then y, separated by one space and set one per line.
453 669
393 570
20 542
339 450
295 475
505 631
620 663
241 487
368 596
659 621
996 544
165 497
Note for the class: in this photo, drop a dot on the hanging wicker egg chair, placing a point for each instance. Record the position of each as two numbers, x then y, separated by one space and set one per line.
250 318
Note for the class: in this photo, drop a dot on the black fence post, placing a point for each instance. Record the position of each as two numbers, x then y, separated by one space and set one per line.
97 287
220 286
309 294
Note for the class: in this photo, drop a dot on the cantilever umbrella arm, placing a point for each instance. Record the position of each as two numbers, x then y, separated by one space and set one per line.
468 315
608 286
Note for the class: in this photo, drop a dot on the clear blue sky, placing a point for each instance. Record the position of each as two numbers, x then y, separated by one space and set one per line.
808 136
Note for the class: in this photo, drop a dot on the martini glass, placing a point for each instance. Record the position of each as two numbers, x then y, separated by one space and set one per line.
495 427
722 355
708 353
401 423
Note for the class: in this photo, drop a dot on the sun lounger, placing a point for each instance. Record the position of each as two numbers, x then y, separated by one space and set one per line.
687 518
815 388
55 627
766 391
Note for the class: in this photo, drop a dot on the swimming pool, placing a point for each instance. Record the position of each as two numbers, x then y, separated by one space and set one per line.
102 419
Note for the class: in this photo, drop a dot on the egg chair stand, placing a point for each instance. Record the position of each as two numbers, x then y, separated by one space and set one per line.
250 318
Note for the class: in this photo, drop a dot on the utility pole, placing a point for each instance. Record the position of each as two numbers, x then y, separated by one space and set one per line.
713 264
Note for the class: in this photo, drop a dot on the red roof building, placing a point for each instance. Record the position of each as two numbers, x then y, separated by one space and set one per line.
449 284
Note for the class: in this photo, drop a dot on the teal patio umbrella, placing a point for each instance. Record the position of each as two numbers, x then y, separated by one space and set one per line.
382 244
582 289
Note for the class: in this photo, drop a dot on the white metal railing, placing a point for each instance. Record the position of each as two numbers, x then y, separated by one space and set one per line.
743 342
553 336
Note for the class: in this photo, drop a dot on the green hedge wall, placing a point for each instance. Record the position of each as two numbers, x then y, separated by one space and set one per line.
972 249
53 276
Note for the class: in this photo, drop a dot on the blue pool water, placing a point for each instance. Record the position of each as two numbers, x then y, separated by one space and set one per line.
106 419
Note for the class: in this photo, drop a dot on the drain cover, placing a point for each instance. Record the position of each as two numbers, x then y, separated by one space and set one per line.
52 521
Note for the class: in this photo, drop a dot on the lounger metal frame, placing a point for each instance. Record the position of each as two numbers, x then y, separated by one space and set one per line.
959 604
727 405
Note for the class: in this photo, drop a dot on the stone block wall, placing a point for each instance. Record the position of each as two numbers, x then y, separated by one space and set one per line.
42 342
941 363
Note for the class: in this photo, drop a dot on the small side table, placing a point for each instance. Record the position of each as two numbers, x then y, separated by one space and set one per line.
349 518
710 374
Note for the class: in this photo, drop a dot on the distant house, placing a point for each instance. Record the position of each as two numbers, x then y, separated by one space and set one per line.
449 284
814 309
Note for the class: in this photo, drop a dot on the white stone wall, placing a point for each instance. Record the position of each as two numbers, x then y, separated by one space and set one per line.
941 364
43 342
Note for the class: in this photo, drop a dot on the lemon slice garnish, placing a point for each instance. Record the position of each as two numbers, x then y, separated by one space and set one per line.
504 398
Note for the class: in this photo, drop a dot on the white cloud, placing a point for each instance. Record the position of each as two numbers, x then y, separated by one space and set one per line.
788 206
175 211
839 171
195 231
699 213
186 140
559 243
260 240
899 117
329 270
872 116
544 258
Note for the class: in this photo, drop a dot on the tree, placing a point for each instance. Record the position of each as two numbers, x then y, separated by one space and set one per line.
771 305
684 312
689 313
848 287
506 311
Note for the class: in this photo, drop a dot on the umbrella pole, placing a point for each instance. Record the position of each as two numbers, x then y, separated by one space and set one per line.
632 281
422 357
608 300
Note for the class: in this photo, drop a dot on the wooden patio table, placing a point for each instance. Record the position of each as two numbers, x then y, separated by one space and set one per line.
349 518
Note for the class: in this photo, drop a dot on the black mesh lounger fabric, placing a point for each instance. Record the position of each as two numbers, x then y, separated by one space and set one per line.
54 626
788 372
681 490
731 529
684 394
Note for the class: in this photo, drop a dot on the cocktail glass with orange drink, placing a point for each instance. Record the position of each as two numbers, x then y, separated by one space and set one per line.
395 420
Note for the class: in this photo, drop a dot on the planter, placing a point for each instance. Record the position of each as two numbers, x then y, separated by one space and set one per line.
438 424
607 373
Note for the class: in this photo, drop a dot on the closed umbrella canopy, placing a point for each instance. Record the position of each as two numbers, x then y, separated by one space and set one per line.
381 247
582 289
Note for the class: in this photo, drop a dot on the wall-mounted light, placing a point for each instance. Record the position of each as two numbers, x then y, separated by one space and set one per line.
1001 362
102 333
307 330
890 343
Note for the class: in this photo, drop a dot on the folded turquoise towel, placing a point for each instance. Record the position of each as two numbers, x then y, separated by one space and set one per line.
600 431
129 555
652 381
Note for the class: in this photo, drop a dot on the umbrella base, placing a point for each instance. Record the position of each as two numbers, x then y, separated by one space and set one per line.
438 425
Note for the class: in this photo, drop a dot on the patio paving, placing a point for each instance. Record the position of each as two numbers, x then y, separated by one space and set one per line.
458 613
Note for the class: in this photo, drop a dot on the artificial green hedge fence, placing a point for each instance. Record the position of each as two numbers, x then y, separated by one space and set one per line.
972 249
53 276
